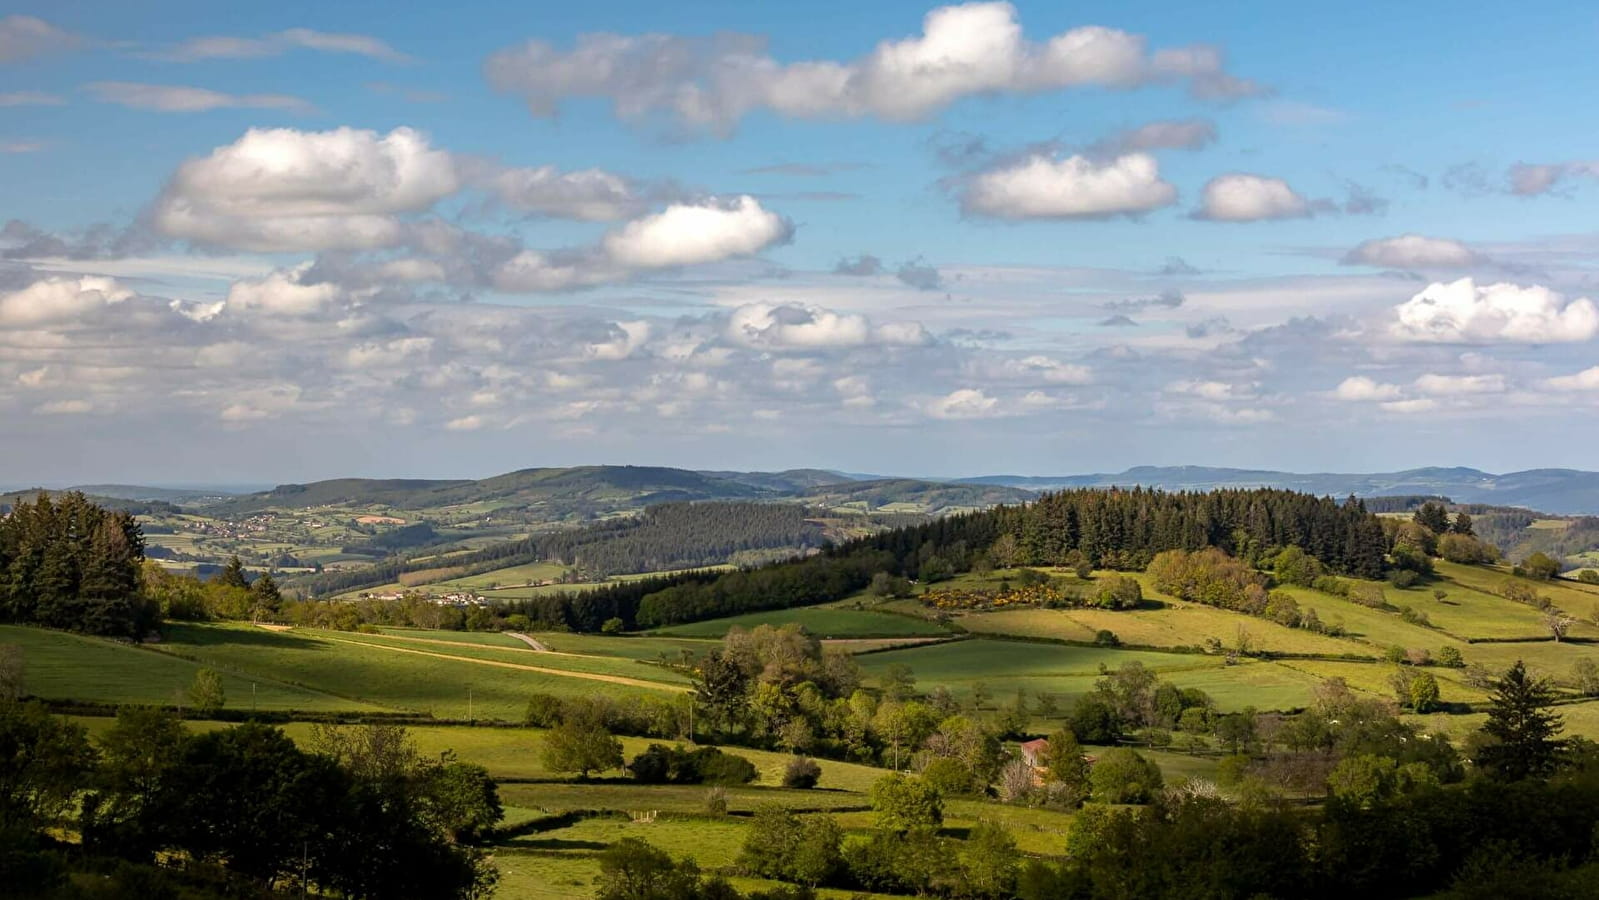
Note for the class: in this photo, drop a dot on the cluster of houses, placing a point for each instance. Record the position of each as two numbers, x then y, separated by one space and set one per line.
455 598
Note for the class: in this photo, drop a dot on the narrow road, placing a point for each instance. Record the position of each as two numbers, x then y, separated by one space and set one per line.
529 640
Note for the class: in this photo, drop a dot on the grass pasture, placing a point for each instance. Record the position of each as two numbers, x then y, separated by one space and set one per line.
409 679
822 621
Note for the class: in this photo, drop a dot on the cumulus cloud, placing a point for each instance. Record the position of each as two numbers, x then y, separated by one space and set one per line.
592 195
1464 312
183 99
1457 385
685 234
1411 251
794 327
284 293
278 189
1185 134
1531 179
966 50
279 43
1359 388
1241 197
1215 391
1414 405
59 300
1586 380
24 37
1077 187
963 403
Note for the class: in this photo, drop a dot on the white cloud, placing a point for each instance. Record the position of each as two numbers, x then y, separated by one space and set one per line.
966 50
1361 388
223 47
1075 187
627 339
1048 369
533 271
184 99
791 326
21 146
59 300
1456 385
854 391
1242 197
465 423
685 234
1213 390
1420 404
1586 380
964 403
1463 311
1412 251
591 195
24 37
283 293
280 189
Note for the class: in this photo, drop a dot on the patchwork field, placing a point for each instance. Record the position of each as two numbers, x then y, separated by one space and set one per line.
824 622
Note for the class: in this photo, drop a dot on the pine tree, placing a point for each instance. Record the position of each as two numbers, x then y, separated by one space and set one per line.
1522 733
1433 517
232 574
265 596
1463 525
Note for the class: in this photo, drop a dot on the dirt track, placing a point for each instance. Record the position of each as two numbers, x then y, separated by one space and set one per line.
545 670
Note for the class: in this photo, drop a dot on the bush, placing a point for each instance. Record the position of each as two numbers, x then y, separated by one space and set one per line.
660 764
613 625
949 776
1588 576
801 773
716 801
1118 592
1403 578
1541 566
1367 594
1124 776
1465 549
1107 638
1450 657
543 711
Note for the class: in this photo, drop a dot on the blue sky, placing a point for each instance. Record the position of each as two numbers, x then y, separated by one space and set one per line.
292 240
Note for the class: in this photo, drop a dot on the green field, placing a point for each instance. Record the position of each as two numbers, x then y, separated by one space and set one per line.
416 679
824 622
63 666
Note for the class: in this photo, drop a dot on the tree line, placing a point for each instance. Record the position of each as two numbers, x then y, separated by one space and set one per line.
69 563
1086 529
164 812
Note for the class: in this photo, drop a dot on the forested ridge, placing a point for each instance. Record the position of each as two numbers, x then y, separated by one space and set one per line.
1115 529
666 536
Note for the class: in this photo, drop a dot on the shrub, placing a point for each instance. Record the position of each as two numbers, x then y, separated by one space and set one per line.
1282 609
1329 584
1124 776
801 773
949 776
1107 638
613 625
660 764
904 803
1118 592
1450 657
1541 566
1294 566
1588 576
1465 549
543 711
1403 578
716 801
1367 594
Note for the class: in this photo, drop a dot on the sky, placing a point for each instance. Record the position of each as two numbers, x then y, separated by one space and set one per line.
264 242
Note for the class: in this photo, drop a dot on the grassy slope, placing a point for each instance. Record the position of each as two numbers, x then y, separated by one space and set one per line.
65 666
399 680
825 622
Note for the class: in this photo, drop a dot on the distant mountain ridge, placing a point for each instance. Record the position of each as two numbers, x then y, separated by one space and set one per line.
1562 491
